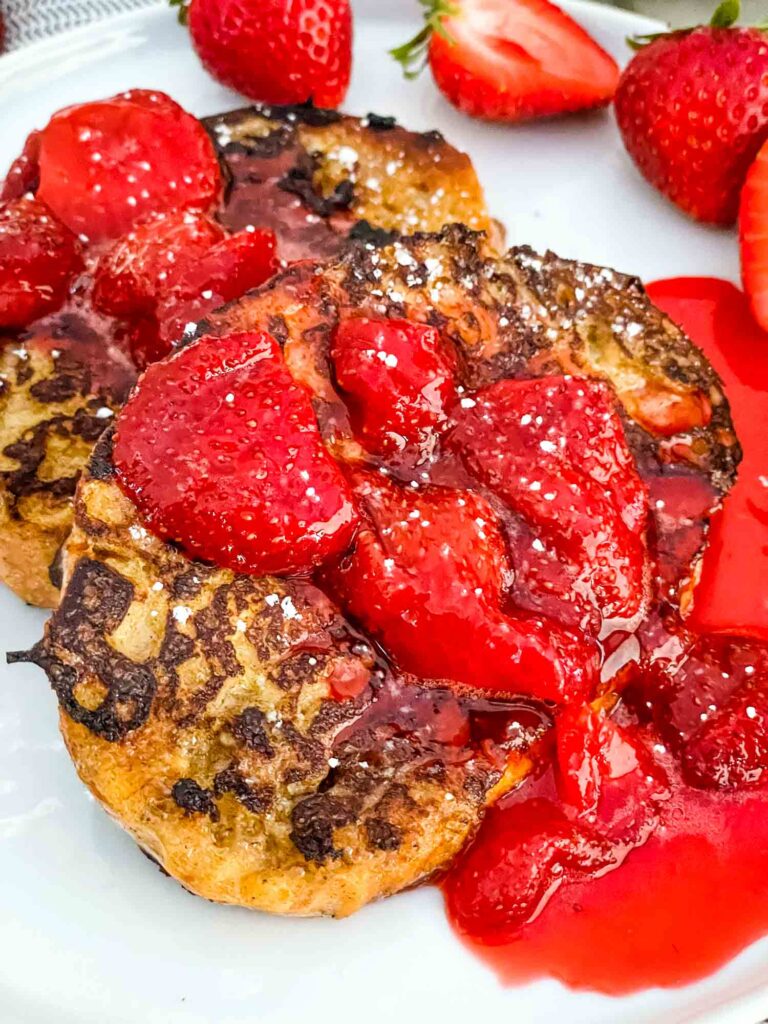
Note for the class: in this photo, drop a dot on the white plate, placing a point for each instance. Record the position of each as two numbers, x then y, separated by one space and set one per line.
89 929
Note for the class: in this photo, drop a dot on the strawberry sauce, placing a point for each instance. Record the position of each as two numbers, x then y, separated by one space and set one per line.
642 861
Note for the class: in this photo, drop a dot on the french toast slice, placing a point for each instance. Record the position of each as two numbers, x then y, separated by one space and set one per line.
315 177
201 707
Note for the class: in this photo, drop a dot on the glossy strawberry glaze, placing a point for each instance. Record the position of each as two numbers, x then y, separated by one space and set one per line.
538 893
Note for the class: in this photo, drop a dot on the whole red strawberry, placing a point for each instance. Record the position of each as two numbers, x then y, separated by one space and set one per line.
692 107
277 51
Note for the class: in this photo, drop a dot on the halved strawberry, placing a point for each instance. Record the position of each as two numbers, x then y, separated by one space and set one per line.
427 577
397 377
104 166
147 262
24 173
753 236
220 451
554 451
39 256
227 271
509 60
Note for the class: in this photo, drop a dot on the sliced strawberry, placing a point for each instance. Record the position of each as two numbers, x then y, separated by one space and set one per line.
397 377
753 236
426 578
104 166
554 451
147 262
580 759
730 749
528 846
220 451
24 173
227 271
519 858
510 60
708 698
39 256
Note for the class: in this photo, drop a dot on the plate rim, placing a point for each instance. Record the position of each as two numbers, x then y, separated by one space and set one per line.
750 1005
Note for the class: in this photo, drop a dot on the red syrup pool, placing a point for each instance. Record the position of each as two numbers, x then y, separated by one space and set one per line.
663 882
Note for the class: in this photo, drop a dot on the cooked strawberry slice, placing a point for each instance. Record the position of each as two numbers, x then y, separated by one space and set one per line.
509 60
528 846
753 235
147 262
227 271
426 578
220 451
554 451
523 853
708 698
730 750
104 166
39 256
24 173
397 379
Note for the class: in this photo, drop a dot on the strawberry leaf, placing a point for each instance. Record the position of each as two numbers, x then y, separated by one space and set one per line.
413 55
726 14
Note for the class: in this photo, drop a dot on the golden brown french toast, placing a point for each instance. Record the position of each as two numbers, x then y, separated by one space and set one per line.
207 709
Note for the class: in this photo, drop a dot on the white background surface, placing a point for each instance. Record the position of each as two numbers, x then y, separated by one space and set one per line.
90 931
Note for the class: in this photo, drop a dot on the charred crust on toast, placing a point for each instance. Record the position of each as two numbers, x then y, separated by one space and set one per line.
250 729
315 819
362 231
380 122
254 798
192 798
300 181
120 690
382 834
101 465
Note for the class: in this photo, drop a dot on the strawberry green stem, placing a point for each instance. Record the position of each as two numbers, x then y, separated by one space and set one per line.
183 6
413 54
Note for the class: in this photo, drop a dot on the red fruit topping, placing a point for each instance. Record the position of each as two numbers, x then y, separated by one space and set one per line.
224 273
692 107
518 860
528 847
591 748
143 339
731 596
509 60
278 51
427 577
24 173
730 750
146 263
708 697
104 166
397 377
39 256
220 451
554 451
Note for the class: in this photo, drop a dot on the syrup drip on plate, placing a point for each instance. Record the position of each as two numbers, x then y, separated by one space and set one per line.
659 876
